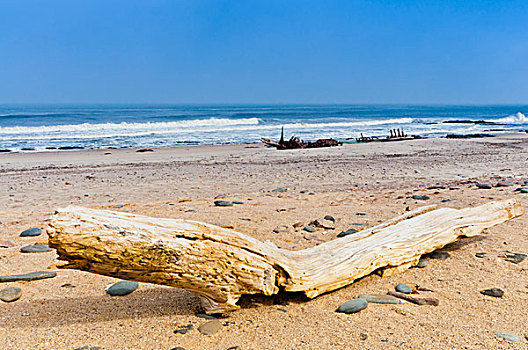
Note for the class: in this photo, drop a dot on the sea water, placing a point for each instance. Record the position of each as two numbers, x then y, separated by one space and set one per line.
48 127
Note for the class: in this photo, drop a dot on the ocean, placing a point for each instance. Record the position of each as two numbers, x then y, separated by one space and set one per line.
53 127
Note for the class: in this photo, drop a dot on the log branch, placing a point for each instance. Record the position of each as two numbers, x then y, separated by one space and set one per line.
221 264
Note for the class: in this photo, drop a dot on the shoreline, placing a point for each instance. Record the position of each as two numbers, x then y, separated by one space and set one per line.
359 185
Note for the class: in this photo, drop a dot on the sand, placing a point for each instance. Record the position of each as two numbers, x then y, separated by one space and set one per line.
358 184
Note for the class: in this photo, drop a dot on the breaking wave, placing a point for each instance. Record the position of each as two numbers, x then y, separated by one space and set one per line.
517 118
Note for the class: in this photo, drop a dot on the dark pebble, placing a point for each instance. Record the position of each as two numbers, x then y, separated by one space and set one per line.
205 316
493 292
439 255
403 288
504 184
353 306
31 232
329 218
347 232
484 186
183 329
524 190
36 248
32 276
446 200
480 255
143 150
422 198
309 229
281 189
436 188
10 294
237 202
515 257
178 348
122 288
223 203
70 147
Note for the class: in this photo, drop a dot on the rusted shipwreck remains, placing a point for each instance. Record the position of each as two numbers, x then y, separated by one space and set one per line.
296 143
395 135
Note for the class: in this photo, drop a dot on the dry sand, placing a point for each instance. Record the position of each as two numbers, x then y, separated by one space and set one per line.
374 179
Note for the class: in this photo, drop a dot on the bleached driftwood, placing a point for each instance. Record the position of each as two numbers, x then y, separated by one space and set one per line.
220 264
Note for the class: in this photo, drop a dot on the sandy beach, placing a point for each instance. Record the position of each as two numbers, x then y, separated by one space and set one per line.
359 185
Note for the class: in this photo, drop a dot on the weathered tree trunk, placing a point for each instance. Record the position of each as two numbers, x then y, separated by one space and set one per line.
220 264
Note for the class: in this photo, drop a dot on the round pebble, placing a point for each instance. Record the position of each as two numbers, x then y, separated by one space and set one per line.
210 327
484 186
512 338
223 203
10 294
122 288
353 306
31 232
309 228
403 288
422 263
36 248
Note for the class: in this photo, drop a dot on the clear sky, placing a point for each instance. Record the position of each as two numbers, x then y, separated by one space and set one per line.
154 51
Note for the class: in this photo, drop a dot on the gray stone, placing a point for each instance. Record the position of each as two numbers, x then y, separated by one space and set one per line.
446 200
36 248
480 255
237 202
493 292
329 218
309 229
32 276
439 255
504 184
122 288
280 189
380 299
422 263
403 288
223 203
210 327
31 232
422 198
484 186
10 294
515 257
347 232
524 190
512 338
353 306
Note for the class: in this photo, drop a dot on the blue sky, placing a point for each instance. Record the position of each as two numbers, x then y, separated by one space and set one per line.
454 52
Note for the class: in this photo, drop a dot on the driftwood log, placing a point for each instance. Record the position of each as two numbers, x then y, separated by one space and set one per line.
220 264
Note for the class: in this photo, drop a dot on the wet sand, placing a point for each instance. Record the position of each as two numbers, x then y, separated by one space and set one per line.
360 185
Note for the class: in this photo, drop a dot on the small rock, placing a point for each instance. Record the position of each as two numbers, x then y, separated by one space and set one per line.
183 329
422 263
210 327
484 186
353 306
493 292
480 255
280 189
422 198
36 248
68 285
439 255
347 232
503 184
237 202
309 229
10 294
446 200
403 288
380 299
512 338
31 232
178 348
363 336
143 150
329 218
32 276
223 203
515 257
122 288
205 316
524 190
436 188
